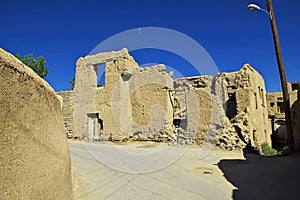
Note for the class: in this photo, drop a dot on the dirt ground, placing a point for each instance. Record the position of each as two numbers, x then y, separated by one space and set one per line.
157 171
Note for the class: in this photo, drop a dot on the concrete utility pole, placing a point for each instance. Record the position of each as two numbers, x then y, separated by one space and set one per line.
285 93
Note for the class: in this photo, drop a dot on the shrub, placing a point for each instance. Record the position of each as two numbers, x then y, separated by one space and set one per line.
268 151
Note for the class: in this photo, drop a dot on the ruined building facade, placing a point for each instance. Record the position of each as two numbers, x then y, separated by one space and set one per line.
229 109
246 107
277 116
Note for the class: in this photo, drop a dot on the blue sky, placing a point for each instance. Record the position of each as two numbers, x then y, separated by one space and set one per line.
62 31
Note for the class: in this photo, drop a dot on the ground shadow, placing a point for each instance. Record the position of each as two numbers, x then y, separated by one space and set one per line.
261 177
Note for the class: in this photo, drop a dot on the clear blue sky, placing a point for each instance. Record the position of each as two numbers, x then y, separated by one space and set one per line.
62 31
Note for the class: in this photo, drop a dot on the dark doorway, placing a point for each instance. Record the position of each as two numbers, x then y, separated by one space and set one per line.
231 106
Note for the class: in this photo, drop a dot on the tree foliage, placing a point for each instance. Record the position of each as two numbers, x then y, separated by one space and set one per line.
37 65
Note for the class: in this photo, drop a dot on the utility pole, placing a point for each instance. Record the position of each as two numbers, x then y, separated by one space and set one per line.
285 92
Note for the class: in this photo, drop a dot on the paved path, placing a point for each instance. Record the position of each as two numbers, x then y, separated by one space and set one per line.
148 171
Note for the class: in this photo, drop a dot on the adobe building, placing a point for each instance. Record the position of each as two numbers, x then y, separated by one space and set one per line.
246 108
35 161
229 109
277 116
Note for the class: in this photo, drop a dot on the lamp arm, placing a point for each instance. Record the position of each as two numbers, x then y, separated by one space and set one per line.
268 13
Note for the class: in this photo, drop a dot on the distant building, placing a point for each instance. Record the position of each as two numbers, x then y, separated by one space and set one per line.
277 116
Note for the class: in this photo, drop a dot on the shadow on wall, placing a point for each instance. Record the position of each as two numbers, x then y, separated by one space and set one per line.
261 177
295 109
279 137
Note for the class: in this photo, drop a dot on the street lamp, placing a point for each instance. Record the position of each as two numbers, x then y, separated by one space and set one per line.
253 7
287 108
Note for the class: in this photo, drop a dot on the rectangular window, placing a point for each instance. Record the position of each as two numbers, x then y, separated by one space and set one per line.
255 95
280 107
259 92
262 97
295 86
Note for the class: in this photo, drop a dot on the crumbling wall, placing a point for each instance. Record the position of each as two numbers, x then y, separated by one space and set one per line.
145 103
150 102
112 101
194 97
67 108
246 110
275 104
135 101
142 101
201 102
84 94
85 89
35 161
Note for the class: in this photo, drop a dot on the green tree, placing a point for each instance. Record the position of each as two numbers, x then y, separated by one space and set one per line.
37 65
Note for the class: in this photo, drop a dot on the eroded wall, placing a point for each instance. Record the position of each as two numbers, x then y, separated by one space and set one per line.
134 102
246 110
34 156
229 109
85 89
195 102
67 108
